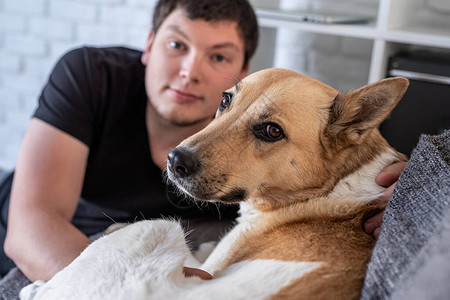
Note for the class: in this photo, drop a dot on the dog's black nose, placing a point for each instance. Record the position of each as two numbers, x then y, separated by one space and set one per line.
182 162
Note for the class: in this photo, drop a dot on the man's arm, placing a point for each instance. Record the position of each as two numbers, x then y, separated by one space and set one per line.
46 189
388 178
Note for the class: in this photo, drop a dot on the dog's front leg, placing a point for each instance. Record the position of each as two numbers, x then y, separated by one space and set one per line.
216 259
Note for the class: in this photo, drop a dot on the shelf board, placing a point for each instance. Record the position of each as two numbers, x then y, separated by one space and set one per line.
284 20
384 35
423 36
415 35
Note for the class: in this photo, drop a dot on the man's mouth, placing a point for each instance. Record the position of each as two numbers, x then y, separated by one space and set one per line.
183 96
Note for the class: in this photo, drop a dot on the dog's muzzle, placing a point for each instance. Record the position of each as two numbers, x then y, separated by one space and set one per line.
182 162
185 171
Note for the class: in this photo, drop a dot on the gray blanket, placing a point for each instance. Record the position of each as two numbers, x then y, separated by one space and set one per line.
411 259
11 284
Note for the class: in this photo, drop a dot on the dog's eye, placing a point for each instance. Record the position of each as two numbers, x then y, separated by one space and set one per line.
269 132
273 131
226 101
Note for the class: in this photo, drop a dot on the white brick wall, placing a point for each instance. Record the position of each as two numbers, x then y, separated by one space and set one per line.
61 30
25 44
25 7
73 11
35 33
11 23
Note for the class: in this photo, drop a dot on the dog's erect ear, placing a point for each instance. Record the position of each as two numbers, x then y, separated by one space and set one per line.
356 113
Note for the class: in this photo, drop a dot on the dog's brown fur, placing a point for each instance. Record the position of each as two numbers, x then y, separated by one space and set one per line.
337 241
292 181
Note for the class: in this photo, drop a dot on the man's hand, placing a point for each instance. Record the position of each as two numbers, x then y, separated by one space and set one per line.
388 178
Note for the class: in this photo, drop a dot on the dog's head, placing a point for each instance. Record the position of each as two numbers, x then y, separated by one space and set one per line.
280 137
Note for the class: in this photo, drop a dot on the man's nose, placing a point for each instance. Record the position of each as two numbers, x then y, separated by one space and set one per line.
190 70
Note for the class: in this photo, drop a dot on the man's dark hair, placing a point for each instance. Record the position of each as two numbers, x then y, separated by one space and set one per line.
238 11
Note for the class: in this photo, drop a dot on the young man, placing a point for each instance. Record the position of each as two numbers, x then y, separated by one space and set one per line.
107 119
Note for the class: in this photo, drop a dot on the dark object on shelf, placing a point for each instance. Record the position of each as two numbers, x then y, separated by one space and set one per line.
425 107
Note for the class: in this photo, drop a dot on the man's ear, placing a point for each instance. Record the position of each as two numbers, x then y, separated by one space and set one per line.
244 71
355 114
148 47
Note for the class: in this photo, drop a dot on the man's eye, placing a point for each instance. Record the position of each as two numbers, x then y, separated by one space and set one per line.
219 58
176 45
226 101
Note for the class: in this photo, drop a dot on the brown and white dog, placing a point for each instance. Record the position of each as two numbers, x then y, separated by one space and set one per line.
301 159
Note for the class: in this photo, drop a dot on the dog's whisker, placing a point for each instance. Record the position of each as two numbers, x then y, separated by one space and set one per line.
109 217
142 216
217 206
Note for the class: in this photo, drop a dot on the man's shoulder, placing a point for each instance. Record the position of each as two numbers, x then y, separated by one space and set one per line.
113 56
119 54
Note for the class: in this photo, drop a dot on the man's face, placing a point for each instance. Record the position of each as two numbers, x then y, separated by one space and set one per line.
189 64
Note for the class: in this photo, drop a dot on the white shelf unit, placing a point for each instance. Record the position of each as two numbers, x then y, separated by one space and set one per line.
396 26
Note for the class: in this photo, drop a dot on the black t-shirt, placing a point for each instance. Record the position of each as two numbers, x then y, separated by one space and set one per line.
98 96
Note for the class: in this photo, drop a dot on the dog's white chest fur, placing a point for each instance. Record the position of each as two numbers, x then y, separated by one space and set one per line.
246 220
